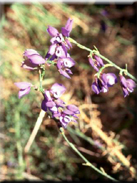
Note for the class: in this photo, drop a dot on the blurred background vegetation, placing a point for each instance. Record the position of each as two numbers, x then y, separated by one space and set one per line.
106 131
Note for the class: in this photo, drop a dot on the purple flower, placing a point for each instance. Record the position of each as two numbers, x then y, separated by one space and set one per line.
67 29
63 65
57 90
24 88
59 45
51 103
56 51
128 85
32 59
96 62
101 84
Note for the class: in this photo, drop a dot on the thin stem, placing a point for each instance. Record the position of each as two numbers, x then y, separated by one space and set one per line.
87 162
104 58
41 76
40 80
102 68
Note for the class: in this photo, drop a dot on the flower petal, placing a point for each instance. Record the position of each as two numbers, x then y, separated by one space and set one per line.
28 65
23 85
37 59
64 73
57 90
95 88
69 24
23 92
125 92
131 84
73 108
29 52
50 104
68 62
99 60
68 112
52 49
123 81
111 79
65 32
61 51
92 63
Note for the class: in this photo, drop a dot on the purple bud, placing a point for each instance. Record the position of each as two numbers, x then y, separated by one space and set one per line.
52 31
67 29
99 61
73 108
95 88
92 63
68 112
69 24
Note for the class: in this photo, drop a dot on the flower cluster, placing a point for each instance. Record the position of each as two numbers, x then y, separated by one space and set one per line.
56 107
58 55
58 49
104 81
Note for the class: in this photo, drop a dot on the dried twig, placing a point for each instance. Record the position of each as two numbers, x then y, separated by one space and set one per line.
35 130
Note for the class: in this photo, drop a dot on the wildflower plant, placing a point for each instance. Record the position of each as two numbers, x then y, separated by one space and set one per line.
58 56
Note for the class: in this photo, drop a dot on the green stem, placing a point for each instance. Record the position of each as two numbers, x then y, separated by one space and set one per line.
104 58
102 68
90 140
87 162
41 75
